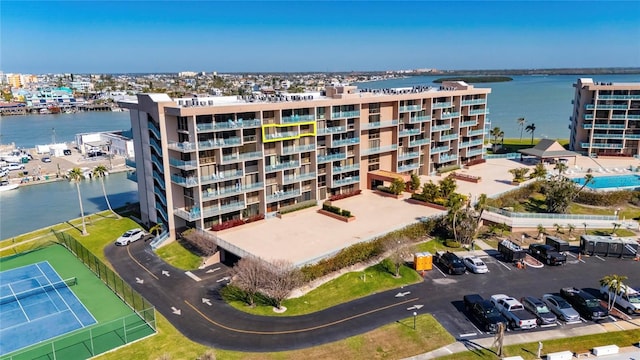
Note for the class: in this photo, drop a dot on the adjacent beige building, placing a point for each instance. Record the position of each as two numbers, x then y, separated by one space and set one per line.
205 160
606 118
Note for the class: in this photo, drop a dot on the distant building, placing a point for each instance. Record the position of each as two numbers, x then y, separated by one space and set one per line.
207 160
110 142
605 118
187 74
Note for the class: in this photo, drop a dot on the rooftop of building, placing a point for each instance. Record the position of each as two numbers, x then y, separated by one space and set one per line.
588 82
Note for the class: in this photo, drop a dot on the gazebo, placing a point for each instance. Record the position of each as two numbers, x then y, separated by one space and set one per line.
549 149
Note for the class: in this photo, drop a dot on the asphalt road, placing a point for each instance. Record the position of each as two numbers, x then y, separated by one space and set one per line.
193 305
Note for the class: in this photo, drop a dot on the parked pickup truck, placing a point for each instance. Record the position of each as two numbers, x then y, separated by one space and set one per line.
451 262
628 298
547 254
484 312
514 312
586 304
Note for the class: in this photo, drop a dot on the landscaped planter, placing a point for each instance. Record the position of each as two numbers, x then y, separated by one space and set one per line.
466 177
336 216
428 204
386 194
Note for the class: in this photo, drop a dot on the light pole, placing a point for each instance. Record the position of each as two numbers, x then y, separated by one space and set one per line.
414 319
109 154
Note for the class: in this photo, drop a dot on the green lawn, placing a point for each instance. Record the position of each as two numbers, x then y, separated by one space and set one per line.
434 245
179 256
626 211
515 144
347 287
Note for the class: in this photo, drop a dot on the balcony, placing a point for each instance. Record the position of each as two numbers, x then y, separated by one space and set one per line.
154 130
439 149
132 175
419 119
409 155
346 181
380 149
632 136
282 166
478 111
184 146
189 215
447 157
163 213
449 137
475 132
441 105
471 143
282 135
229 124
218 143
588 116
342 142
155 146
601 146
475 152
419 142
288 179
619 97
603 126
345 114
157 162
230 191
589 106
468 123
184 181
608 136
440 127
409 108
408 167
633 117
160 180
221 176
379 124
409 132
474 102
297 119
242 156
345 168
223 209
450 115
182 164
288 150
331 130
331 157
618 117
283 195
607 107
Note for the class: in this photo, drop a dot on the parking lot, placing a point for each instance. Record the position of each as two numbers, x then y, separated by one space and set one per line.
505 278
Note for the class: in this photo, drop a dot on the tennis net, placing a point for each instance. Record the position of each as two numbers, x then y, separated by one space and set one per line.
38 290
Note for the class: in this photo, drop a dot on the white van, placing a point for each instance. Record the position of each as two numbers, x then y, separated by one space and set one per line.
627 299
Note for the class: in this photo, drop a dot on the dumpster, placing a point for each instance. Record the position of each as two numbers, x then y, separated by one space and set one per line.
423 261
510 251
608 246
559 244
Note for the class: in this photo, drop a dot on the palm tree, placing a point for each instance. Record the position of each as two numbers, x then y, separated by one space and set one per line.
539 172
100 171
540 230
532 129
570 228
496 133
521 122
585 227
561 167
76 175
614 283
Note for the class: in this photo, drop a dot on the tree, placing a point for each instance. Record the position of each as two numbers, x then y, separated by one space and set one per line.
616 226
570 229
585 227
447 186
558 227
559 192
249 276
588 179
539 172
496 133
430 191
532 129
615 284
397 249
540 231
280 279
204 244
561 167
397 186
156 229
519 174
521 122
100 171
415 182
75 175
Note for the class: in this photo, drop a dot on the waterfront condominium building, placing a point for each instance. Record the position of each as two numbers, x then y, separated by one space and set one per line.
209 159
606 118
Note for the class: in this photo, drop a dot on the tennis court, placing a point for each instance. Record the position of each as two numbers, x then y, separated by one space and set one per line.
55 306
37 305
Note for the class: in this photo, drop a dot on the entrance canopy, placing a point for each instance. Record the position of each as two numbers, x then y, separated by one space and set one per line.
386 176
548 149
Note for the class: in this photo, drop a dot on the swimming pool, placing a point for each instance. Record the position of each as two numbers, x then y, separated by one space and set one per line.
629 181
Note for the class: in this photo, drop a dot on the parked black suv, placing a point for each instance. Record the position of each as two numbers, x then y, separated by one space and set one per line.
451 262
484 312
586 304
547 254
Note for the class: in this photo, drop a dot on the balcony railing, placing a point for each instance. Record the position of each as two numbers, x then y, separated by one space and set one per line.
441 105
282 166
608 136
163 212
601 145
632 136
619 97
155 146
221 142
345 168
471 143
409 132
448 157
474 102
419 119
159 179
450 115
474 152
603 126
331 130
439 149
440 127
408 167
379 124
184 181
478 111
182 164
283 195
475 132
184 146
588 116
288 179
449 137
468 123
242 156
409 108
229 191
331 157
226 125
633 117
409 155
281 134
380 149
342 142
347 181
160 195
612 107
419 142
287 150
297 118
189 215
223 209
154 130
345 114
221 176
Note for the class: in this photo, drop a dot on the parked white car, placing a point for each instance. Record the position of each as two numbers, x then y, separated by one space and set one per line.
130 236
15 166
627 299
475 265
4 172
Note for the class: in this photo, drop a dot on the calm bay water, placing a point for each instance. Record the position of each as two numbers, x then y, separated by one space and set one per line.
542 100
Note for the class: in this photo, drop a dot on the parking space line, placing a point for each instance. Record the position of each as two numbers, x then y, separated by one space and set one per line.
599 257
570 254
443 274
506 267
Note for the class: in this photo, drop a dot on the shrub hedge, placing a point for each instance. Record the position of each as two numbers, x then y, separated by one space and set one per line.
603 198
236 222
345 195
298 206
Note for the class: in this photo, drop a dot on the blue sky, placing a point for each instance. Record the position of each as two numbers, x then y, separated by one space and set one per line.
146 36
